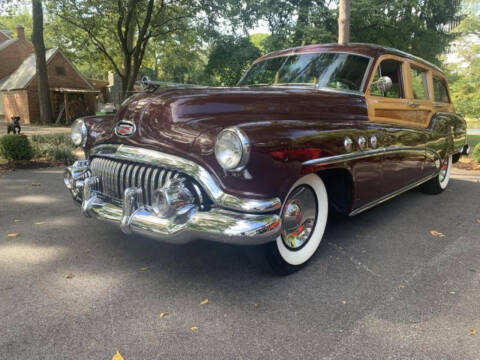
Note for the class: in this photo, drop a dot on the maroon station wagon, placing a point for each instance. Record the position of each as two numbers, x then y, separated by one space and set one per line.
307 131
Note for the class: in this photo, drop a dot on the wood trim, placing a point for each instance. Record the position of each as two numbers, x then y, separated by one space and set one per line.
405 111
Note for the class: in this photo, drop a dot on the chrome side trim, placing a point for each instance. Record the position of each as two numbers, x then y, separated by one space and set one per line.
364 154
199 173
391 195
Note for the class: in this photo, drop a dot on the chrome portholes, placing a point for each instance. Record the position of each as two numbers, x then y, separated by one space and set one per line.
348 143
373 142
299 217
362 142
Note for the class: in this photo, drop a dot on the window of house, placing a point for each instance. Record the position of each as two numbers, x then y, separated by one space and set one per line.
60 70
392 69
440 90
419 83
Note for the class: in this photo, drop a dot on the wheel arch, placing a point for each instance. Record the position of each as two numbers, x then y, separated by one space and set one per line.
340 188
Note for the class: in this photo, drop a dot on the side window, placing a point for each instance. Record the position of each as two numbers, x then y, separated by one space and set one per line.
440 90
392 69
419 83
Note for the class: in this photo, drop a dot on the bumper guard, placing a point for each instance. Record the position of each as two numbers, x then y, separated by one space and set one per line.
181 227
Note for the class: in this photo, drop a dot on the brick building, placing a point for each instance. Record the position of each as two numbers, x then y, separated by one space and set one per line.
71 94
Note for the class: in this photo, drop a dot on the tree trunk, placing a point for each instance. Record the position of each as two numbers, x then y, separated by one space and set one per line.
42 77
344 22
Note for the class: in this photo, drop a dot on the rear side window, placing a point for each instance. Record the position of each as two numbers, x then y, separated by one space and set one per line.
419 83
440 90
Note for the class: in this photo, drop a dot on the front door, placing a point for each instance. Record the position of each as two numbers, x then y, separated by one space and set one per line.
402 137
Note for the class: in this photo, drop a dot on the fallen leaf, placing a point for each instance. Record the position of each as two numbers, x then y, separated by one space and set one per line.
473 331
40 223
36 184
163 314
144 268
344 302
18 220
13 235
69 276
437 233
194 328
204 302
118 356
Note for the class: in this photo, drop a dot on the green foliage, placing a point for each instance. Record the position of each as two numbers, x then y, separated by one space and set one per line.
54 140
185 36
476 153
230 57
15 148
464 74
258 40
57 148
61 153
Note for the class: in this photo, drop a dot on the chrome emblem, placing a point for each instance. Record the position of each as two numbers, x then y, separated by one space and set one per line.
125 128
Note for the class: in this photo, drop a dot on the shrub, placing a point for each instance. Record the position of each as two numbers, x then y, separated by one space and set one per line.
476 153
15 148
53 139
61 153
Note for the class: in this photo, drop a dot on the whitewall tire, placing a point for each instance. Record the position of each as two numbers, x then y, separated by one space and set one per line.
304 218
440 182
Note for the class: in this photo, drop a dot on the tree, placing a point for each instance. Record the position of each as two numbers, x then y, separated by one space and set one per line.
464 72
41 63
344 22
230 57
121 30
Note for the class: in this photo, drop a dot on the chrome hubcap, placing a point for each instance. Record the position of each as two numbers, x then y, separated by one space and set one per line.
298 218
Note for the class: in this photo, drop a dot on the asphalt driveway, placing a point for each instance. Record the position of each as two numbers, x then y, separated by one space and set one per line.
382 286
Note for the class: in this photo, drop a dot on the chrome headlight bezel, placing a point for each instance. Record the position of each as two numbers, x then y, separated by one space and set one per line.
79 133
238 135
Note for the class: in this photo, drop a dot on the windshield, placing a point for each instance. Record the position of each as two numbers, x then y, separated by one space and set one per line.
325 70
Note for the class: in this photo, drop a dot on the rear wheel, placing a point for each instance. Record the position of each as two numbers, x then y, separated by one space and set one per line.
440 182
304 218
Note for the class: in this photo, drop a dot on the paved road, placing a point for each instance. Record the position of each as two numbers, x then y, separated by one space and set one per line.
382 287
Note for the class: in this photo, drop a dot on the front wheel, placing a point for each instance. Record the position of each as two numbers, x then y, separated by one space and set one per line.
304 218
440 182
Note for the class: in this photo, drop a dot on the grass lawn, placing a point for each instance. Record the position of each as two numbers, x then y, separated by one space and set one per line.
473 140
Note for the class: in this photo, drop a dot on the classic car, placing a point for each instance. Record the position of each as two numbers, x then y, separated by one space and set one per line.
307 131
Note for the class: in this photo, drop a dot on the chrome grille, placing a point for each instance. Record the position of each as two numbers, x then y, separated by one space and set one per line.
117 175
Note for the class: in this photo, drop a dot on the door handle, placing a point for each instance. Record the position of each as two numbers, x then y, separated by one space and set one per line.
414 104
438 105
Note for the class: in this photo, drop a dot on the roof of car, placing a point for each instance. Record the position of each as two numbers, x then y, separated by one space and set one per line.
365 49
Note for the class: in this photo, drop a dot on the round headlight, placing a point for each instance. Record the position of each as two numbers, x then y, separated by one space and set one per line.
79 133
232 149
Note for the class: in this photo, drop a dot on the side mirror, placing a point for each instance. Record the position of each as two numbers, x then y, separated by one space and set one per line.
384 84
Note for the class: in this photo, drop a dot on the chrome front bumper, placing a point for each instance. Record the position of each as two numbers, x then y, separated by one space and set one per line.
217 224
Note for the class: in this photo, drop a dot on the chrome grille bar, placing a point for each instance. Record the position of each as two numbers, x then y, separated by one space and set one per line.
116 176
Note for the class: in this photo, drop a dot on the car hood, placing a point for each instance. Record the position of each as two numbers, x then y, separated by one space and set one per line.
174 118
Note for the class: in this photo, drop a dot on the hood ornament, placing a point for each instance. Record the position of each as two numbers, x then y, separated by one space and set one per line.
125 128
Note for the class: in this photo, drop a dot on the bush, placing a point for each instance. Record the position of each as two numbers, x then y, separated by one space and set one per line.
61 153
54 139
15 148
476 153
